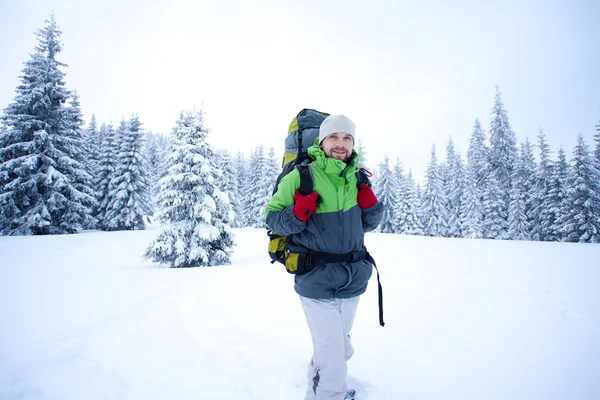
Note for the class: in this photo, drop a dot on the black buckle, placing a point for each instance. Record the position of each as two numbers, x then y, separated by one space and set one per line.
308 260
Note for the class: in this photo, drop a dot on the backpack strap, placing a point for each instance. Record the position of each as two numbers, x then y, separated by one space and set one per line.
362 176
370 259
306 178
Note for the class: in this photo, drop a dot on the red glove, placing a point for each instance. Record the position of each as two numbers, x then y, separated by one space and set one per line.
366 198
305 206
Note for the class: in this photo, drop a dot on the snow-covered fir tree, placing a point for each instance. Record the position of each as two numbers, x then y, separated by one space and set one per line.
93 143
471 208
597 140
228 184
129 198
241 175
406 212
596 154
155 152
413 212
540 223
85 149
5 134
196 212
401 204
477 155
518 225
362 155
105 173
81 175
386 192
43 184
503 151
433 207
454 186
273 170
258 187
556 202
457 194
582 219
445 169
494 209
527 171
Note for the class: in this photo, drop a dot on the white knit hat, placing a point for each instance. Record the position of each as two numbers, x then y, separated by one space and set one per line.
336 124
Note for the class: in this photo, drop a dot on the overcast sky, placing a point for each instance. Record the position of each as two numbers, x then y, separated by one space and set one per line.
408 73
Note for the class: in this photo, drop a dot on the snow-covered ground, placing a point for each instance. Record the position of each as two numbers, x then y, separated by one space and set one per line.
84 317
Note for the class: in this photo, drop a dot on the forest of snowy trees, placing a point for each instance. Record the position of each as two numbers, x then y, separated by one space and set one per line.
59 176
500 192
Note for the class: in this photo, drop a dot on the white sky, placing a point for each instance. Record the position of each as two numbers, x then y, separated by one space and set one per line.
408 74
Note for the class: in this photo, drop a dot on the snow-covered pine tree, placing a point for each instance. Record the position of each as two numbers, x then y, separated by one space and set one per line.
155 157
162 144
494 210
153 161
478 155
155 148
518 226
241 175
453 188
406 216
541 201
105 173
92 142
228 184
503 151
582 219
445 168
398 173
457 194
362 154
5 133
402 197
42 181
556 202
75 145
386 192
527 172
258 194
273 170
597 140
433 206
197 213
413 225
129 198
419 191
92 132
471 210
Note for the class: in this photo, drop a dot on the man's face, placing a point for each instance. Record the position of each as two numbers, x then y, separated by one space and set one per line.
338 145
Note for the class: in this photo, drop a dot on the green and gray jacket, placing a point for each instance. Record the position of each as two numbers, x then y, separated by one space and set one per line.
338 226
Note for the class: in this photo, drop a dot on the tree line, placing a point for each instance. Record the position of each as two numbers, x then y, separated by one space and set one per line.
57 176
500 192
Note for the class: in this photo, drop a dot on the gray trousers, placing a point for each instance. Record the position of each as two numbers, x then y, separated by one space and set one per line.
330 322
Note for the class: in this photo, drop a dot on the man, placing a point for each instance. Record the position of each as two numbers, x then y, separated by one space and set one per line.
331 221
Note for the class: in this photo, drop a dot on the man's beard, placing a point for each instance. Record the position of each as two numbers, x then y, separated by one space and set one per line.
345 157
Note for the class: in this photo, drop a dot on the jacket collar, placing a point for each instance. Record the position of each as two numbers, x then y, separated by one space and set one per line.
332 165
